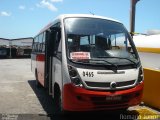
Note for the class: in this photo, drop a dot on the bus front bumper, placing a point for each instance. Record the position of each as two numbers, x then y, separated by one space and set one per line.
81 99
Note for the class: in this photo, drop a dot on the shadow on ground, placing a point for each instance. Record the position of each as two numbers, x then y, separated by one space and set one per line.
48 106
45 100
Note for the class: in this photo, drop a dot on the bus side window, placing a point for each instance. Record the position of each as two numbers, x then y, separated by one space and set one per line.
57 41
59 49
57 37
57 46
40 42
33 45
54 36
36 44
43 43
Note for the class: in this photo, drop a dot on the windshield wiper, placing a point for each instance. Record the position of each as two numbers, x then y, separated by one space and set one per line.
116 67
120 58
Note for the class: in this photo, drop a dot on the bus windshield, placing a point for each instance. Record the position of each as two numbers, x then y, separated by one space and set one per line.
97 41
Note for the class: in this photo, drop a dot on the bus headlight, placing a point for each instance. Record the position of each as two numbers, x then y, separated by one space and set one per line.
73 73
140 75
75 78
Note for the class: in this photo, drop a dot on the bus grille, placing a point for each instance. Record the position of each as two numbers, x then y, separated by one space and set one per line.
107 84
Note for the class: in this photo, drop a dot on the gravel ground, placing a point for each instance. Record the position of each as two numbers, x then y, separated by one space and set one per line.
16 88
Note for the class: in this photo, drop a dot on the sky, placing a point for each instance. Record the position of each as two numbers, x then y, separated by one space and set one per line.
25 18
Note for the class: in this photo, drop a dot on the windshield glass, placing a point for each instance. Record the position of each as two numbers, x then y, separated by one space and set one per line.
91 39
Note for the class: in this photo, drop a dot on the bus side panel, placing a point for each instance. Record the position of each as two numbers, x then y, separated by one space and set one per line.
40 67
56 73
33 62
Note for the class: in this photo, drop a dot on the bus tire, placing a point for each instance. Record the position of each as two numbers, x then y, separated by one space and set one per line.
38 85
57 101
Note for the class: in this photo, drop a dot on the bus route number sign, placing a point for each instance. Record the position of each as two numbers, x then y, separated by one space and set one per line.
80 55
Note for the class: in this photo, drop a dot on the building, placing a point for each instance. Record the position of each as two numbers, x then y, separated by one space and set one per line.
16 47
21 42
4 42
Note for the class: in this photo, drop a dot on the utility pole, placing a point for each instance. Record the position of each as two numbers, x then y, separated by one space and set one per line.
132 16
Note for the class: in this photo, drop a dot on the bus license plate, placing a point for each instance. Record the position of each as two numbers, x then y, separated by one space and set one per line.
114 98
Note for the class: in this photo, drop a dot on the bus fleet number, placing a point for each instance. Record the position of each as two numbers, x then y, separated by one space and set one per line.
88 74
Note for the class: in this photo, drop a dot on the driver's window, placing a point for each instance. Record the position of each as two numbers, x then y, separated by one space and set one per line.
118 41
84 40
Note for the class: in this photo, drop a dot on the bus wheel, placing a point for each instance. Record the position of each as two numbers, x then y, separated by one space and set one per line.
38 85
57 101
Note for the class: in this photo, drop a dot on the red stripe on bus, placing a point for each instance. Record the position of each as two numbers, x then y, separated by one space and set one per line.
40 57
81 99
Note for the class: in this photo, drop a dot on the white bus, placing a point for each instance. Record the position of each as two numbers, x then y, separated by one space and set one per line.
87 62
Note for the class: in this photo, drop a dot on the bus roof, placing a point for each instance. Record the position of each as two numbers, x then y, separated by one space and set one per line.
84 15
63 16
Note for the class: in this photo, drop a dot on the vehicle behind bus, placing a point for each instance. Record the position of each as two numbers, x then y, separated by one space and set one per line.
86 63
3 52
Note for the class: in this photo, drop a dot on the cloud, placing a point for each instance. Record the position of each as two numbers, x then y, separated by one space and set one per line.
47 4
22 7
56 0
4 13
153 32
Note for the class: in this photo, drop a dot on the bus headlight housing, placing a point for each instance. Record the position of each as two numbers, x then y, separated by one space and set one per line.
140 75
75 78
